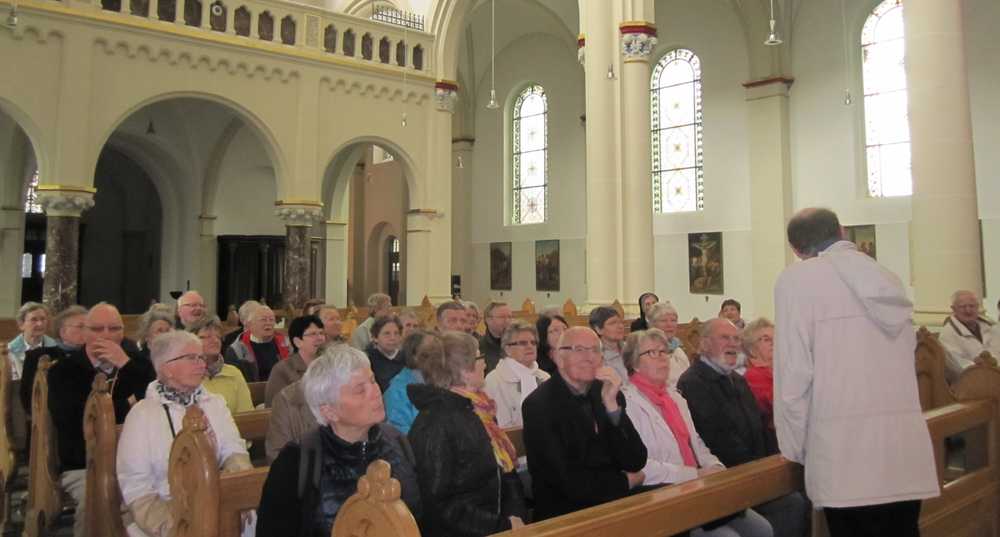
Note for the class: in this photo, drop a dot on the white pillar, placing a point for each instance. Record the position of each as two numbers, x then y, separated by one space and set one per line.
208 262
336 263
461 219
944 233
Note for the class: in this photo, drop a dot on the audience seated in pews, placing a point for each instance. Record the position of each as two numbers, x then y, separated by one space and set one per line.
383 351
966 335
731 309
758 345
517 374
70 381
379 305
609 325
220 378
307 335
259 348
581 446
244 321
472 318
410 320
450 315
726 416
419 349
646 301
675 451
550 328
310 480
159 318
71 328
33 322
144 445
663 317
498 317
190 308
465 462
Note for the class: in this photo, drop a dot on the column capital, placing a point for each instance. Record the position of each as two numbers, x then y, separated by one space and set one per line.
445 95
638 40
62 200
581 48
299 212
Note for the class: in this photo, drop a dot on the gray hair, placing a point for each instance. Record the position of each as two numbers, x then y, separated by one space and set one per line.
954 296
408 313
327 374
255 311
246 309
749 335
470 305
28 307
208 321
710 327
165 346
375 300
66 314
515 328
660 309
156 312
630 354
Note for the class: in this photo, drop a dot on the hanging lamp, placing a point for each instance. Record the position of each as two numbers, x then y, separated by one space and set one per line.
493 104
772 37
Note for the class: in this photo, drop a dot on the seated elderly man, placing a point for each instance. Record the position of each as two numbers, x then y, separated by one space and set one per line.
498 317
69 325
726 416
190 308
259 348
379 305
582 447
32 321
341 392
244 319
70 381
965 334
450 316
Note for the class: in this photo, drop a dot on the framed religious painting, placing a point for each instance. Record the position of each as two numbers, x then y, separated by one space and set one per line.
500 266
705 263
547 265
863 237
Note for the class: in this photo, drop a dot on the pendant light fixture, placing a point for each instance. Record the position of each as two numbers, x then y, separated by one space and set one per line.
493 104
847 55
772 38
11 21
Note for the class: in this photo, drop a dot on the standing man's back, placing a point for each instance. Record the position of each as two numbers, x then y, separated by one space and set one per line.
846 402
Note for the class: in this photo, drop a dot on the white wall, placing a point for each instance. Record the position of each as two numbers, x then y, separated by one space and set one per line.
244 202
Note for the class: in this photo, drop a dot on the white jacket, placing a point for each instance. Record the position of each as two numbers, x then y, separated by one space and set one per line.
504 387
144 445
845 389
664 463
963 348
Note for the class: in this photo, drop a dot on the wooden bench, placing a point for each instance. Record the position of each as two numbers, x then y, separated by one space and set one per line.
100 432
6 439
257 391
376 508
44 493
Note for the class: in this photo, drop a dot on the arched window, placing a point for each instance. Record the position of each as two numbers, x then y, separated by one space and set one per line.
675 101
530 156
887 127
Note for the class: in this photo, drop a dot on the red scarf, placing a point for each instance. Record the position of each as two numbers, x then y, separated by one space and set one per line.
671 414
279 342
486 410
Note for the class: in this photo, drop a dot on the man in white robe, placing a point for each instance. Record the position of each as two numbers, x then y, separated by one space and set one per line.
843 337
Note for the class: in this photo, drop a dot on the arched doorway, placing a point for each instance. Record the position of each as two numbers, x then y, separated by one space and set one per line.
393 266
21 252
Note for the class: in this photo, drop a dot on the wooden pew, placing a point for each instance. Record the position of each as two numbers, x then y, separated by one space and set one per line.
257 390
100 432
44 493
930 363
376 509
6 440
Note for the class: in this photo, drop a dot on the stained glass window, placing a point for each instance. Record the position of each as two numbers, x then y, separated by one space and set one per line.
31 204
675 103
887 128
530 157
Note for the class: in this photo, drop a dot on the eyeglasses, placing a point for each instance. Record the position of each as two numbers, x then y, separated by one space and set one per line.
188 358
526 343
193 305
654 353
110 329
582 349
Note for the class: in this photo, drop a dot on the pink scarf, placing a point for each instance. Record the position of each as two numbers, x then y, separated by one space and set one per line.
671 414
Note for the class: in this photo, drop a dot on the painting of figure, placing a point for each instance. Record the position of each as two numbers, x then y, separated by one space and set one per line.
500 266
705 263
546 265
864 237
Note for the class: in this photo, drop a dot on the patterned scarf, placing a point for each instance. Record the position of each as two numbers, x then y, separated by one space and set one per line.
185 399
486 409
671 414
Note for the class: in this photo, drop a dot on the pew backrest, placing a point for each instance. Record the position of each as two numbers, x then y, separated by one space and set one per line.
100 432
44 493
930 366
376 509
257 391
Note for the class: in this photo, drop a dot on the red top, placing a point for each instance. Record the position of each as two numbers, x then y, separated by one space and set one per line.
761 381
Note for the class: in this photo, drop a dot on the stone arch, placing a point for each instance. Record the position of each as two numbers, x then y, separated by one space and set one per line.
333 180
31 130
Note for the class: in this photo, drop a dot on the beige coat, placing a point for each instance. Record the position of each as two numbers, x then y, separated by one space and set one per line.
291 419
504 387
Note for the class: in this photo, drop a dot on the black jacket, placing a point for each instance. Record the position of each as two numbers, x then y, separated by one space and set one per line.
31 359
725 414
490 347
384 368
639 324
465 492
577 456
332 471
70 382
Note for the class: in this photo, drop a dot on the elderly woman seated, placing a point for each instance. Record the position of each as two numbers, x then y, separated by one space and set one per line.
151 425
758 344
307 335
159 318
663 316
220 378
340 388
383 351
465 462
517 374
419 348
675 451
33 322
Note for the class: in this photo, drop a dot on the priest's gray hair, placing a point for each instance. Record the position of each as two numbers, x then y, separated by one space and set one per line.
327 374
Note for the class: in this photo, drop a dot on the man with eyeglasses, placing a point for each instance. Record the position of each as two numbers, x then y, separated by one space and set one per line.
966 335
190 309
70 381
517 374
498 317
582 448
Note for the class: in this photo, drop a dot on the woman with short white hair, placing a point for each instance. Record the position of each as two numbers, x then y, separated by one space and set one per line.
663 316
153 423
33 322
342 394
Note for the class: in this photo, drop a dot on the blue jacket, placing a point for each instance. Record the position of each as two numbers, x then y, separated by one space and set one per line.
399 410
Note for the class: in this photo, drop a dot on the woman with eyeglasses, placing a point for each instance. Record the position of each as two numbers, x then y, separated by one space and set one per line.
517 374
221 378
675 452
663 316
307 334
149 431
465 462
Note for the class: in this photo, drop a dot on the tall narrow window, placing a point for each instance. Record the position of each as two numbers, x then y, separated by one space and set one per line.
675 101
530 157
31 204
887 127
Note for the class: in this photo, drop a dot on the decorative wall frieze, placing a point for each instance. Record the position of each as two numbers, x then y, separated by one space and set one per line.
638 39
59 200
299 212
394 92
445 95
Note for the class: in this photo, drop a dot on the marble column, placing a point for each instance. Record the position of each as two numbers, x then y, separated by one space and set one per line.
298 216
637 42
945 250
63 207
